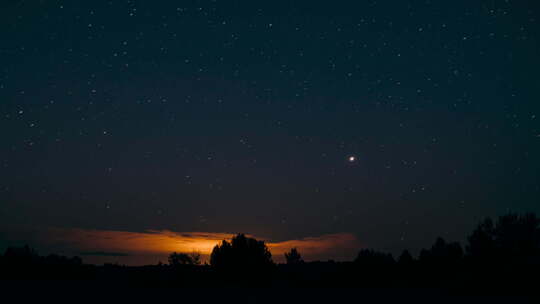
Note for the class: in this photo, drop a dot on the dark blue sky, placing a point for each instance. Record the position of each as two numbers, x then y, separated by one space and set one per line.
240 116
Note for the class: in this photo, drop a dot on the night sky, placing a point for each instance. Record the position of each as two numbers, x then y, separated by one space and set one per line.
392 121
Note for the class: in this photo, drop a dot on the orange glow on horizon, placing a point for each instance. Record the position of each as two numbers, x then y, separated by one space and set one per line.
150 241
163 242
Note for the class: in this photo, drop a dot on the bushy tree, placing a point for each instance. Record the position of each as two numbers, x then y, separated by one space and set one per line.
242 253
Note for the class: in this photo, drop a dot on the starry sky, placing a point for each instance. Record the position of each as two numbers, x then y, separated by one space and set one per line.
390 121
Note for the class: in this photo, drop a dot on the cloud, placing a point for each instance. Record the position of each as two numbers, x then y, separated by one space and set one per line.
157 244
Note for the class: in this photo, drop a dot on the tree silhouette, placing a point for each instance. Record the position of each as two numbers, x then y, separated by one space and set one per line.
293 257
369 257
178 259
482 240
242 253
513 236
442 253
405 258
54 259
21 255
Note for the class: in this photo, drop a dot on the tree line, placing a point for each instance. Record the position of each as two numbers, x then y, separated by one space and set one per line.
504 252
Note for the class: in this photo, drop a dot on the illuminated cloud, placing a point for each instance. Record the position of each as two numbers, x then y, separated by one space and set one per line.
157 244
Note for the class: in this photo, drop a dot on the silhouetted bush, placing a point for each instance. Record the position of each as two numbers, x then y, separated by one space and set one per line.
293 257
178 259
